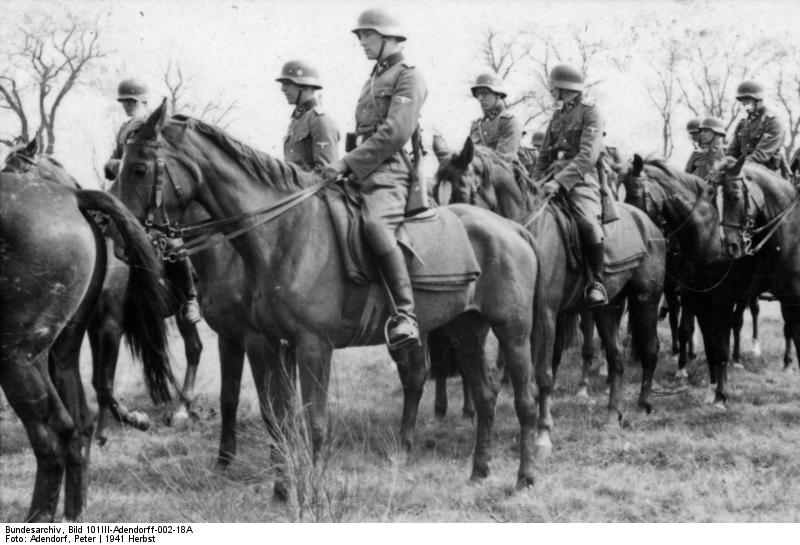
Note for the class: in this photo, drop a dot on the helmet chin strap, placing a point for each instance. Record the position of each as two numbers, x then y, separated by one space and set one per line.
380 51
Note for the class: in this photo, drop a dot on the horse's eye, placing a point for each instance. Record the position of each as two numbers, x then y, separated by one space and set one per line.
140 170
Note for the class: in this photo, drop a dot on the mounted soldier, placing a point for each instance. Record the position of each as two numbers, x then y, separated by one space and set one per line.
132 94
693 130
312 140
794 168
712 143
567 163
498 128
387 117
759 136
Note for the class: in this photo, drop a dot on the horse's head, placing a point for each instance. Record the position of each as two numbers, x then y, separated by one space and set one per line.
153 189
641 191
22 157
463 176
736 216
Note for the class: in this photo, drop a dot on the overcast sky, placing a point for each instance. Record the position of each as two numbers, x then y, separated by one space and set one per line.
237 48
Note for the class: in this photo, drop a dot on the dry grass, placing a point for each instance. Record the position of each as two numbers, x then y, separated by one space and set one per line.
686 462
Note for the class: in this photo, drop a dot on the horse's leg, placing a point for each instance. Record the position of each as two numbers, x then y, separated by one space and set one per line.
707 322
441 365
607 320
542 356
31 393
193 347
674 312
587 349
314 362
412 366
787 353
738 322
231 361
686 350
470 332
644 320
65 369
468 409
791 321
755 310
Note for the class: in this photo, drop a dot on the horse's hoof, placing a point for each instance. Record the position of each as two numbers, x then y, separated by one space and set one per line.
439 415
478 475
101 440
525 482
787 367
542 447
720 406
756 350
737 365
139 420
646 405
711 396
582 394
468 415
682 374
613 422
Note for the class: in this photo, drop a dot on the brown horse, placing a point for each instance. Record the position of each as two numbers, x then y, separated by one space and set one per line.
477 175
220 278
765 227
53 265
295 287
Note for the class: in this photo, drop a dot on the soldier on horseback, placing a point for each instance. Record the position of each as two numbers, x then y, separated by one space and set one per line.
498 128
312 140
567 162
759 136
132 94
693 130
712 143
387 115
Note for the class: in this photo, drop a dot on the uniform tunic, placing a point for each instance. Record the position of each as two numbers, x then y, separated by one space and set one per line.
312 140
572 144
701 163
499 130
112 165
759 138
386 115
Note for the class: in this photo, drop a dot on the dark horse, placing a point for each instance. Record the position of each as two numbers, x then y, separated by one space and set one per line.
295 287
712 283
478 175
53 266
766 228
220 282
105 325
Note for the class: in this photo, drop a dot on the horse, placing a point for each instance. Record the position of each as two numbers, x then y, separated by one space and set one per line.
53 267
105 325
296 288
712 283
477 175
761 220
219 270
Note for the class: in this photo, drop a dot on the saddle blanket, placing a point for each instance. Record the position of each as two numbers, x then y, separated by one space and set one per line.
438 252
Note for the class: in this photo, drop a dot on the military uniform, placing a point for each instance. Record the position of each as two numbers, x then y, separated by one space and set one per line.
701 163
387 114
499 130
759 137
572 145
111 169
312 140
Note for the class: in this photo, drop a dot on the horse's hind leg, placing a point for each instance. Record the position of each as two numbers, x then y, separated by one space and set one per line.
231 362
685 339
607 319
755 310
33 397
587 349
193 347
441 364
738 322
644 321
787 353
791 321
412 366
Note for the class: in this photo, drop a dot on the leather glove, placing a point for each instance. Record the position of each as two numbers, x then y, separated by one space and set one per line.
551 187
335 170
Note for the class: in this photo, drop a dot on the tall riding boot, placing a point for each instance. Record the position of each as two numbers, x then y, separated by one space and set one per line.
191 310
401 329
595 291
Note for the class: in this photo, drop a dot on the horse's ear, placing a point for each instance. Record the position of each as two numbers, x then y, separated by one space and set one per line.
33 146
736 168
155 121
638 164
440 148
467 153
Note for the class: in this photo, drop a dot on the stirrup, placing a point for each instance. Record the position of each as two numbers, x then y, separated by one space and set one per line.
191 311
404 339
596 286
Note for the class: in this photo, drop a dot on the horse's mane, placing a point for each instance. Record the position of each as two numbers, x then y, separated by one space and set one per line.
768 180
666 175
259 165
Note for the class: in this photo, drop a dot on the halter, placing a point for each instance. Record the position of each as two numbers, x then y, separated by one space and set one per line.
207 233
31 162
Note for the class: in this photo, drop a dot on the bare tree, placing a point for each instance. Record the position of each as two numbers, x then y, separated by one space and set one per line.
215 110
662 89
787 89
46 58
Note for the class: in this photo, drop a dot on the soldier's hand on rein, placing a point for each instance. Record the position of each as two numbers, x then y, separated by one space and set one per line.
334 171
551 187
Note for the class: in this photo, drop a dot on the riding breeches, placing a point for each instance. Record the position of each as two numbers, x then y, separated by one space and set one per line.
383 200
585 201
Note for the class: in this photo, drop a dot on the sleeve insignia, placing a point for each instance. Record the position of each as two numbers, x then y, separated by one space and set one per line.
402 100
323 145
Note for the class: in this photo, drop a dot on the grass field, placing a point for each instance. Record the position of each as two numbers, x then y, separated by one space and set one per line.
685 462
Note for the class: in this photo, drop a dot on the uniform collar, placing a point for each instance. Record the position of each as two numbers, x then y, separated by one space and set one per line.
758 112
387 63
491 114
304 107
568 106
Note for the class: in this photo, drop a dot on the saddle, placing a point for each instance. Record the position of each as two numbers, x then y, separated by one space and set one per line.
622 250
438 252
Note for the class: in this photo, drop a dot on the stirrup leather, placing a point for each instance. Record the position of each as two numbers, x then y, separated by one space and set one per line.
401 331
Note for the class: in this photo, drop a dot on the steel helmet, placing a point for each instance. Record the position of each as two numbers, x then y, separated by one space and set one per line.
493 82
300 73
132 89
751 89
714 124
693 126
564 76
381 22
538 138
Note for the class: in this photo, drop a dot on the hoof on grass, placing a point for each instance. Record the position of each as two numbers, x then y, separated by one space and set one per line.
525 482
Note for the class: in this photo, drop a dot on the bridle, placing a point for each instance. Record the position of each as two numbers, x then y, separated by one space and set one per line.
29 162
746 227
204 234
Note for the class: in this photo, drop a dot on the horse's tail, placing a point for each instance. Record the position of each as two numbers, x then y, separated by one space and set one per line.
146 297
539 329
